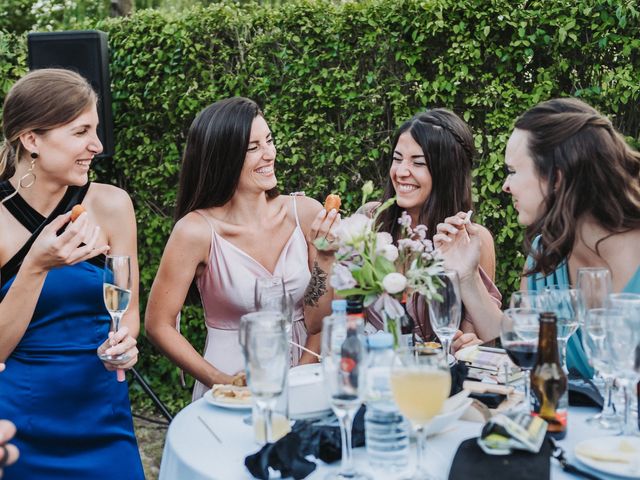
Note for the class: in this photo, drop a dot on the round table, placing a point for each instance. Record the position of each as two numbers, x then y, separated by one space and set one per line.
192 452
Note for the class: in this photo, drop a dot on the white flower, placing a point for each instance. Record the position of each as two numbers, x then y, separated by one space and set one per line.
341 278
392 308
394 282
354 229
390 252
405 220
383 239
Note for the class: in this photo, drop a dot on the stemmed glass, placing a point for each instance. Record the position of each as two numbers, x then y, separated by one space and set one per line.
595 285
594 341
519 331
568 306
445 308
265 351
420 382
116 288
271 294
530 299
343 365
623 337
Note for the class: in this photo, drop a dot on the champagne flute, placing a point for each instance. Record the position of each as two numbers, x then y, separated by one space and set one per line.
116 288
445 308
568 305
594 329
519 331
623 336
420 382
343 365
270 294
265 351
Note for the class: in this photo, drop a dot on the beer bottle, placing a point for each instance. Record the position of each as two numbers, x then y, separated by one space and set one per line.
407 326
548 380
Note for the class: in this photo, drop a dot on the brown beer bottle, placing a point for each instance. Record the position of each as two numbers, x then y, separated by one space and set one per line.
548 380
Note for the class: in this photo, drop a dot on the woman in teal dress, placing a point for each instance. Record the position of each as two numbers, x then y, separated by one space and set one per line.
72 415
576 186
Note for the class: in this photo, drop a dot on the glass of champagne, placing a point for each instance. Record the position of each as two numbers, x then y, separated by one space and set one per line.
568 305
343 365
519 331
420 382
116 289
266 357
445 308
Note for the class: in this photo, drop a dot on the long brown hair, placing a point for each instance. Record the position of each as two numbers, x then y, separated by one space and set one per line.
214 154
40 101
589 169
448 148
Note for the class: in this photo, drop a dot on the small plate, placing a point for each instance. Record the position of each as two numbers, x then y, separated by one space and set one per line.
230 404
604 447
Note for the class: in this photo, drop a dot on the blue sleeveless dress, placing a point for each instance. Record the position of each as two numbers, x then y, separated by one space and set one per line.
576 356
73 417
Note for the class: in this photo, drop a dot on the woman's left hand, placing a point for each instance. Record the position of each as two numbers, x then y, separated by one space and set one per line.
118 343
324 226
463 340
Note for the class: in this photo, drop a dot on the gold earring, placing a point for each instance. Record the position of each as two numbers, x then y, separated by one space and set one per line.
24 183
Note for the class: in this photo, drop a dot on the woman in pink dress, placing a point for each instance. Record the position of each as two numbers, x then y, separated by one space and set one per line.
232 228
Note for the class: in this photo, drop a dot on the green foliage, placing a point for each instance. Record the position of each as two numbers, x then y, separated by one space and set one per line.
335 79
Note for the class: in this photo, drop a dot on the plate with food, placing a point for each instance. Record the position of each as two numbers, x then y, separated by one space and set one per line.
612 455
229 396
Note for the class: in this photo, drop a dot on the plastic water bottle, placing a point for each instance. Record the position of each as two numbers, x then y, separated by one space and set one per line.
386 430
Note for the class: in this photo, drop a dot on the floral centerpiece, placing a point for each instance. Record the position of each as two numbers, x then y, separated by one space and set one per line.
369 264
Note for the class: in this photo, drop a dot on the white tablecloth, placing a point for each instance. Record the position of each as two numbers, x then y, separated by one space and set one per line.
192 453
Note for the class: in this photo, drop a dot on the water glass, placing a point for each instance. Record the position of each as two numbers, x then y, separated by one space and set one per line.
445 308
529 299
595 285
344 364
266 355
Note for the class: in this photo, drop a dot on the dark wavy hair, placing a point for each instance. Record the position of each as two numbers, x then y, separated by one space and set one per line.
448 148
214 154
589 168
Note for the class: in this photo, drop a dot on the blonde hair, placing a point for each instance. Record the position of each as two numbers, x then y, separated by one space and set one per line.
40 101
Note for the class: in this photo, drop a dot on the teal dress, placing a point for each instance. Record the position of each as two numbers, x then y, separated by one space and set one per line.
576 356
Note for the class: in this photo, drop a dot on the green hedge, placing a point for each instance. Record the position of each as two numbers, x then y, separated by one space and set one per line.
335 79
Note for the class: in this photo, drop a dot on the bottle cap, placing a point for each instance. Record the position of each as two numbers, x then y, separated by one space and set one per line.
380 340
339 305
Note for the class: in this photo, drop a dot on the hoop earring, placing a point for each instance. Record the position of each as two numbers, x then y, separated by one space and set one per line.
24 183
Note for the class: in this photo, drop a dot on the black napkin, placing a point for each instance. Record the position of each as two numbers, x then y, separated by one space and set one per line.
459 374
320 439
582 392
471 462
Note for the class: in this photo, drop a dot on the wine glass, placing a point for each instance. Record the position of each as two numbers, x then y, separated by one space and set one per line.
270 294
594 329
623 337
530 299
420 382
343 365
445 308
595 285
568 305
116 289
519 332
265 351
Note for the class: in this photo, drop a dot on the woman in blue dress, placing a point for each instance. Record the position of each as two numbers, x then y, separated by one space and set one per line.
576 186
72 415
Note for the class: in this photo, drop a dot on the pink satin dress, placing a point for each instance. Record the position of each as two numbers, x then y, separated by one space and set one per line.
227 292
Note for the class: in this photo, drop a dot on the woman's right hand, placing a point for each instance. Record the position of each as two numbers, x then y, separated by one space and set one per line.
459 244
51 250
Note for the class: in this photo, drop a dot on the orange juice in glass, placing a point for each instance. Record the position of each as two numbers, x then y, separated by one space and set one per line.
420 382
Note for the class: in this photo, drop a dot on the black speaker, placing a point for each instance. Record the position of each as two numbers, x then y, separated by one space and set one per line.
85 52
